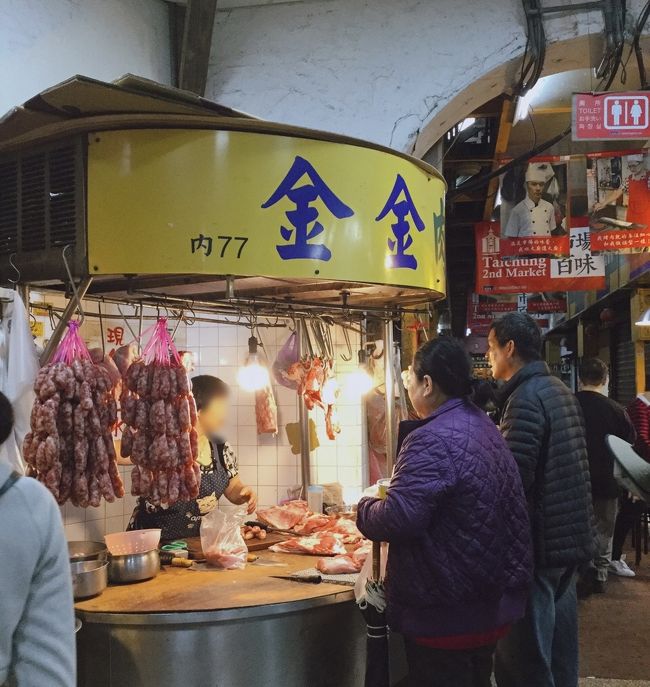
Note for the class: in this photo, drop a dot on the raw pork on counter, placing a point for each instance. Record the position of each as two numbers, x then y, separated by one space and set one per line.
286 516
348 563
318 544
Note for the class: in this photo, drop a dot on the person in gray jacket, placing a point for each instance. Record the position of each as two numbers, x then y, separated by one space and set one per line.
543 426
37 642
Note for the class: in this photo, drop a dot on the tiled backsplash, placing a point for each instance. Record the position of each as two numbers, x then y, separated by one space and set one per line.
266 463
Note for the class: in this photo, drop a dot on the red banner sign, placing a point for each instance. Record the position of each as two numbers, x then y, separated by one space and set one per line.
579 271
620 240
611 116
535 245
482 310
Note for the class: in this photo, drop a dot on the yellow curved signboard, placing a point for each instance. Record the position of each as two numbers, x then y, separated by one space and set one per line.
230 202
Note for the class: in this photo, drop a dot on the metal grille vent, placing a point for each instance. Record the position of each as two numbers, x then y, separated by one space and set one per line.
8 207
39 200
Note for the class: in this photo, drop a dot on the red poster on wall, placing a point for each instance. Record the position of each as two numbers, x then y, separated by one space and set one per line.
618 189
482 310
611 116
579 271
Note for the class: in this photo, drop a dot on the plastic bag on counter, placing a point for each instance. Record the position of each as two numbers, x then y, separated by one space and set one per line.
222 540
287 356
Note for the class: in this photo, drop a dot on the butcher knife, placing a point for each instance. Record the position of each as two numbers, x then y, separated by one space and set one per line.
309 579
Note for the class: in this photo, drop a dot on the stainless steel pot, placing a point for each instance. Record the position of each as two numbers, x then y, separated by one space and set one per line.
133 567
89 578
87 551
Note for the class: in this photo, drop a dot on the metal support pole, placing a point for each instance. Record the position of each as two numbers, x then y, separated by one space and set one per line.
66 316
303 420
365 462
390 395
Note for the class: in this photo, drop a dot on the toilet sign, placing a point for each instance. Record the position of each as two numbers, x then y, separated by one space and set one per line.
611 116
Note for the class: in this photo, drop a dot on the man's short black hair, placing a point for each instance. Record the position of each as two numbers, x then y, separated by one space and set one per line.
6 418
523 331
206 387
593 372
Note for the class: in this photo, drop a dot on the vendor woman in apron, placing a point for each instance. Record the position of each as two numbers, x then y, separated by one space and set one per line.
219 472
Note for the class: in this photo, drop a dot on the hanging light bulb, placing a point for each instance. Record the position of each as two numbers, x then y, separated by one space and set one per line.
359 382
253 376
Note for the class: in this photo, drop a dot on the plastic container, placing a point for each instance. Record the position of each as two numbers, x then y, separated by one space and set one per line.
315 498
382 487
137 541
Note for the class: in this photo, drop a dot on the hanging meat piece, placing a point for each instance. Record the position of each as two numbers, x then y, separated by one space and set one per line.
266 411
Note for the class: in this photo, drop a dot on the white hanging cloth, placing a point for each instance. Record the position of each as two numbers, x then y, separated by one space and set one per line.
18 369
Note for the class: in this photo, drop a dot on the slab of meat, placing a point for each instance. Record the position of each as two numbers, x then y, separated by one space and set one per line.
228 558
313 523
284 517
266 411
338 565
318 544
345 528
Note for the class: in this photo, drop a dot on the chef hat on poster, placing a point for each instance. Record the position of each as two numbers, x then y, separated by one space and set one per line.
543 172
635 157
539 172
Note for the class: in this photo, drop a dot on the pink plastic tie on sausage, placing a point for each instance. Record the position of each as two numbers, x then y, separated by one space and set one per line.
160 348
72 346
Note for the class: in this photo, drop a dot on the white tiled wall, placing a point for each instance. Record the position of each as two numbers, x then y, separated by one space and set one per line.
266 462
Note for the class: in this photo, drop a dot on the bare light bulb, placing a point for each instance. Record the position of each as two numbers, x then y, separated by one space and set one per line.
359 382
253 376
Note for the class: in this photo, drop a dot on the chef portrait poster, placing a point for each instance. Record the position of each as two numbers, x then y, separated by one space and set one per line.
618 188
538 276
533 209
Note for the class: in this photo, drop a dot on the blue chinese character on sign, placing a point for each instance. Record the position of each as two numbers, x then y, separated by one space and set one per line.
401 205
302 247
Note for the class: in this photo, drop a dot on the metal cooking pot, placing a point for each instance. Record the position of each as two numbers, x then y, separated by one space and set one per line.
87 551
133 567
89 578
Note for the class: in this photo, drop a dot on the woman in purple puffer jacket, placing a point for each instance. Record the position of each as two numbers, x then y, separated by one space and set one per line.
455 516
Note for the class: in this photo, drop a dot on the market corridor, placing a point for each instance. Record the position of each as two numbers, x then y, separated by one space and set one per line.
614 633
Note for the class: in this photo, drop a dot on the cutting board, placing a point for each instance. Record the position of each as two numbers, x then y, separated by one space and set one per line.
195 551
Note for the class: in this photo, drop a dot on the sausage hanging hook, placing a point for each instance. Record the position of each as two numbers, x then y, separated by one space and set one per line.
15 281
346 335
73 286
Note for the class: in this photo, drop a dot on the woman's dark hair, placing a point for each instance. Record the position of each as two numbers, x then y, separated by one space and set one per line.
593 371
6 418
449 366
521 329
206 388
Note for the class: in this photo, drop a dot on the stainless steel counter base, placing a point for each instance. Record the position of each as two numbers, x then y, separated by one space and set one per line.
291 645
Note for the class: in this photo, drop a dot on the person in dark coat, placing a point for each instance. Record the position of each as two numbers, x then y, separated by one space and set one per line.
603 416
460 559
542 423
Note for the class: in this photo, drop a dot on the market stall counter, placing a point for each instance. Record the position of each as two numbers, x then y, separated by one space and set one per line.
223 629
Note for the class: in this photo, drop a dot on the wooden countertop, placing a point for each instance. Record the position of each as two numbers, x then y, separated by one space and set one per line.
181 590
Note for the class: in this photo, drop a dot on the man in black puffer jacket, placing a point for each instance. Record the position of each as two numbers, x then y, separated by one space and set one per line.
543 426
